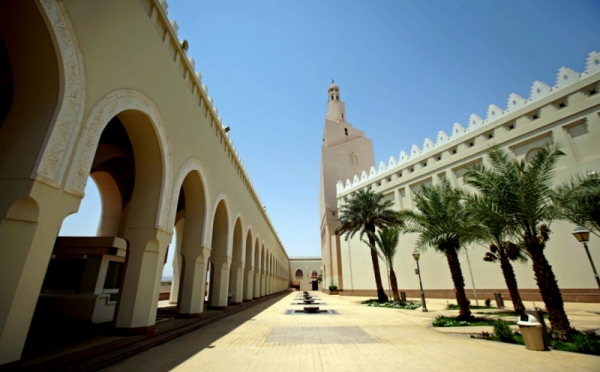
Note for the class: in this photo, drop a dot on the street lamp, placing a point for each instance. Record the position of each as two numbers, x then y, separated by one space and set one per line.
416 254
583 235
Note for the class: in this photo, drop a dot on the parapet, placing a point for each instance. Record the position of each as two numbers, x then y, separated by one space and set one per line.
539 90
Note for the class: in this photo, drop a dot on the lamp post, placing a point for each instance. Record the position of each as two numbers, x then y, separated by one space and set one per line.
416 254
583 235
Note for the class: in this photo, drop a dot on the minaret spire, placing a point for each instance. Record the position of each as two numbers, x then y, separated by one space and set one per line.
336 109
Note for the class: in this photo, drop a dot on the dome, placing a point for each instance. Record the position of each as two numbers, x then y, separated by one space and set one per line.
333 86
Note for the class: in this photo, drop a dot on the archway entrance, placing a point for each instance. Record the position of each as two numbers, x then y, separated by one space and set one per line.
94 284
219 258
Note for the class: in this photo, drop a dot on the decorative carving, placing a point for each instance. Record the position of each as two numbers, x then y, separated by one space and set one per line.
107 108
70 111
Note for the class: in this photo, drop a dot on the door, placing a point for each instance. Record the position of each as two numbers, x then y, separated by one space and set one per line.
315 285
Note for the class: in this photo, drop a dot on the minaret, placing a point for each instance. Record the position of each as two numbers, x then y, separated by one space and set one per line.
345 152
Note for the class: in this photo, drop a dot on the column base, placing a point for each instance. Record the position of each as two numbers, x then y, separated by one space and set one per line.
217 308
248 300
236 303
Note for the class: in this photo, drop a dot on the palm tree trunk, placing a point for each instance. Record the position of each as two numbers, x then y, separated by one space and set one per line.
511 283
381 296
546 281
394 286
459 282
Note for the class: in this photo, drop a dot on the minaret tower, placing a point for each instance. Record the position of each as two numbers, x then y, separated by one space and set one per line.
345 152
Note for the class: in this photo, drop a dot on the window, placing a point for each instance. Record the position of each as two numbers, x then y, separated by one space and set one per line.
345 129
342 115
314 274
337 97
299 273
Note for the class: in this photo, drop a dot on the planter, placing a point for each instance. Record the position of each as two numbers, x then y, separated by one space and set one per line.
334 292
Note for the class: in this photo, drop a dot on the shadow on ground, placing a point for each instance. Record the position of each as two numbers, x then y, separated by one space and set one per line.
179 350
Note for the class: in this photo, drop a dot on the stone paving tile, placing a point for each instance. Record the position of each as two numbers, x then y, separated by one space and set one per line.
401 340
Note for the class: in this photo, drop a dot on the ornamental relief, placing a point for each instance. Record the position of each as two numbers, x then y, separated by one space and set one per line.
70 111
110 106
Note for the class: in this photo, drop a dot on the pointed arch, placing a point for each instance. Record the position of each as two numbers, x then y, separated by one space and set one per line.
108 107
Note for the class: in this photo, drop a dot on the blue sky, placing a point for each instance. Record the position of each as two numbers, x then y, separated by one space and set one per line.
405 70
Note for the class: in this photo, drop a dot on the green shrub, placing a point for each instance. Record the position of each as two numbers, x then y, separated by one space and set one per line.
488 302
503 332
587 343
392 305
333 288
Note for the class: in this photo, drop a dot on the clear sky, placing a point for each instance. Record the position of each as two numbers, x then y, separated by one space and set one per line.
406 69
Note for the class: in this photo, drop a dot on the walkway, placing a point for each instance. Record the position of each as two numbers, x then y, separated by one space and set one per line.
359 338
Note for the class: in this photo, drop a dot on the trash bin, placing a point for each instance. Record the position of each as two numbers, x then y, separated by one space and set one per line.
532 332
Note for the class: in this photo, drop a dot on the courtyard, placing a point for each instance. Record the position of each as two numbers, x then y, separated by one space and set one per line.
358 338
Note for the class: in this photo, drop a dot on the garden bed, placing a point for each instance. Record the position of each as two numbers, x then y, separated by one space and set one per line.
392 305
451 321
583 342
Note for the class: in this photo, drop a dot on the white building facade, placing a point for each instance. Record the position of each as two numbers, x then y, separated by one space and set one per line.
567 113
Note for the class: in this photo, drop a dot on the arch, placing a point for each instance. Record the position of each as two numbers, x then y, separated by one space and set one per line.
531 153
190 165
69 111
221 262
249 267
238 218
257 269
237 265
221 197
299 273
111 105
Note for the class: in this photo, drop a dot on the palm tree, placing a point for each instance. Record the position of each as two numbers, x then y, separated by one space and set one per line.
579 201
363 212
494 230
442 222
526 198
386 246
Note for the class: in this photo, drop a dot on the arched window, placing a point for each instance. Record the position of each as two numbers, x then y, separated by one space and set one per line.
314 274
337 97
345 129
299 273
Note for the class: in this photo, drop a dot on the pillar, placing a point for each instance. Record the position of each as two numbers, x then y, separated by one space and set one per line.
237 282
32 214
138 298
248 283
179 226
256 289
218 299
193 281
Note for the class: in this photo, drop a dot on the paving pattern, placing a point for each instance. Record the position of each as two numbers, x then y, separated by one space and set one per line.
319 335
262 338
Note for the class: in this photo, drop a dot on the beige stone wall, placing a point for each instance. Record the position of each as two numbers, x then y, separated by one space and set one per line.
568 113
125 61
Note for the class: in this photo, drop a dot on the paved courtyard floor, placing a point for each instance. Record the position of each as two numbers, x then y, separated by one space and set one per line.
269 337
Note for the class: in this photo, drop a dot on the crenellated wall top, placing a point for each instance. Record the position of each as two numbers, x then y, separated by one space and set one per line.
539 90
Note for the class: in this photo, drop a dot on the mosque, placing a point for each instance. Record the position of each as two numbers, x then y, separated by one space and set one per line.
567 112
118 100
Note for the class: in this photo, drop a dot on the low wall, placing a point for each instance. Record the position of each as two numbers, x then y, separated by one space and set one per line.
568 295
